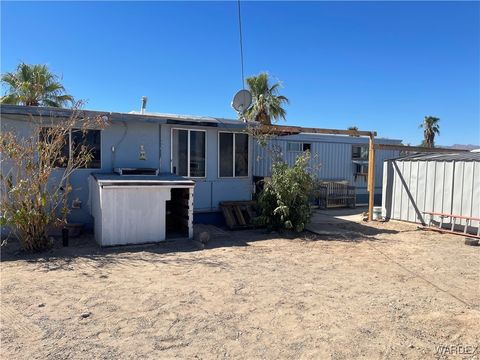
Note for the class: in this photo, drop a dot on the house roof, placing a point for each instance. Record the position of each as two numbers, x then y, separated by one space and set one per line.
464 156
159 118
175 119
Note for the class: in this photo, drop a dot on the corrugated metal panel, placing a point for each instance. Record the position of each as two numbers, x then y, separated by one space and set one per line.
412 187
475 209
405 179
421 183
397 190
429 187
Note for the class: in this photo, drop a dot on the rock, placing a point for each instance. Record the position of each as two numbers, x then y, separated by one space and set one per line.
411 346
204 237
85 314
198 244
41 305
471 241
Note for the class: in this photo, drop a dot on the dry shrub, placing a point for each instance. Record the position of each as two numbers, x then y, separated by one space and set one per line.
35 173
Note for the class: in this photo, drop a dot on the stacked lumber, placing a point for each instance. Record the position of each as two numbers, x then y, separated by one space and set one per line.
239 214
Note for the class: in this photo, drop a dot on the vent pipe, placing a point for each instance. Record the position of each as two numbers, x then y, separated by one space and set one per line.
144 105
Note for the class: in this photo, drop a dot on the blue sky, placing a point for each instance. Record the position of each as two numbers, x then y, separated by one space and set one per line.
377 65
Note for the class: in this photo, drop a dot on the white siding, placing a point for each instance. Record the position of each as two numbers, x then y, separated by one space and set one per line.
331 157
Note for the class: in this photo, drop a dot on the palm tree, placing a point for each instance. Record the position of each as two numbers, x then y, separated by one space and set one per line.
267 103
430 129
34 85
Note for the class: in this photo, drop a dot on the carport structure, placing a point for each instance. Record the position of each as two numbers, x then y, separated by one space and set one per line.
290 130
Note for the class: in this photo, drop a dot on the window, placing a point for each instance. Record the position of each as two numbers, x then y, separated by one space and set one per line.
188 152
225 152
61 161
90 139
241 155
76 138
232 154
298 146
360 160
294 146
360 152
197 154
361 169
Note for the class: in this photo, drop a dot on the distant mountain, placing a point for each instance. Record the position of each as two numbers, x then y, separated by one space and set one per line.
461 146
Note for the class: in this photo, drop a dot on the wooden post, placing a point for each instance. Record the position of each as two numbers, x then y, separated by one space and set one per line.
371 175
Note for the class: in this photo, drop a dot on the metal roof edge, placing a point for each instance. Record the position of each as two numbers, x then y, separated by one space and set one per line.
119 116
348 139
445 157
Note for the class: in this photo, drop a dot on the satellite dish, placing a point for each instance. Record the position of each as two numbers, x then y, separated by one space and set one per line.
242 101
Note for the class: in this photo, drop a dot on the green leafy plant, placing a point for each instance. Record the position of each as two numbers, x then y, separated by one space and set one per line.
284 202
35 172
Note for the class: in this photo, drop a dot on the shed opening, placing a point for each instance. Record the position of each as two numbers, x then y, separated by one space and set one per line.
177 217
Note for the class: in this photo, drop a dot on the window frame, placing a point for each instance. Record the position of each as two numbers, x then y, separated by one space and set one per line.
296 143
301 146
233 155
360 158
70 149
188 151
361 166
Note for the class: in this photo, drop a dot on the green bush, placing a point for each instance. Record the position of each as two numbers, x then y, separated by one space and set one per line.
284 202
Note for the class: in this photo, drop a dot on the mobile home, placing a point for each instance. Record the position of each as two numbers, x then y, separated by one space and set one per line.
194 163
214 154
333 157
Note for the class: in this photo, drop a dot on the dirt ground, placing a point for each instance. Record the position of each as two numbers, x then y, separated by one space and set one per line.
387 291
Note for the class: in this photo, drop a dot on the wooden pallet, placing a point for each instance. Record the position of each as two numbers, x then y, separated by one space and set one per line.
239 214
443 216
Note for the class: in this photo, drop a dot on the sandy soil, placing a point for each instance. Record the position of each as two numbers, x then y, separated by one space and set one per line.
395 292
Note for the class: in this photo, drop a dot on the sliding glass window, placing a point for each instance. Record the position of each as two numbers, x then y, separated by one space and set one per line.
189 152
233 154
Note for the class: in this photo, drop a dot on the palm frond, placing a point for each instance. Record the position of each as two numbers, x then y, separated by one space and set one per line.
10 99
34 85
266 103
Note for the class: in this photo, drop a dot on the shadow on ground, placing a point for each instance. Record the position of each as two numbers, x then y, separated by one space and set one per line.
331 225
344 225
85 246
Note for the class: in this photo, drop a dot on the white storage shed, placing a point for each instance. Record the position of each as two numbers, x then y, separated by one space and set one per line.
442 183
135 209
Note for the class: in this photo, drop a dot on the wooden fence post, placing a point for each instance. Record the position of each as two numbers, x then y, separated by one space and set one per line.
371 175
